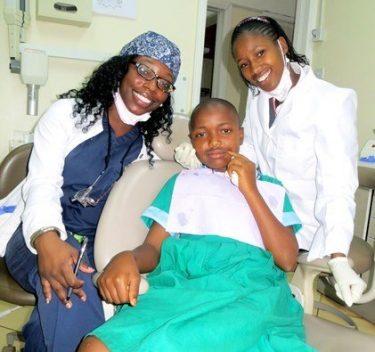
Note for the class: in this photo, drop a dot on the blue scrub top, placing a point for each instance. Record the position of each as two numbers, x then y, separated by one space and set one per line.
82 167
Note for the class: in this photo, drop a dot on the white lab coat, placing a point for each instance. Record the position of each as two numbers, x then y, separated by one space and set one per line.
37 198
312 149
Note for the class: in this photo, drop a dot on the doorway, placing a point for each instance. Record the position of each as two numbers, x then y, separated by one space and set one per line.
209 54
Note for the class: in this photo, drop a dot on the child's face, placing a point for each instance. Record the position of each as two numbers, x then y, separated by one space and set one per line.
260 60
216 131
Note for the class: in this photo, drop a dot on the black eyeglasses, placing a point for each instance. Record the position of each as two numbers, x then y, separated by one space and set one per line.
148 74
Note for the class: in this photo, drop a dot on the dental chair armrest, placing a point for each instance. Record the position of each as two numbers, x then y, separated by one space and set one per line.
304 277
318 264
143 285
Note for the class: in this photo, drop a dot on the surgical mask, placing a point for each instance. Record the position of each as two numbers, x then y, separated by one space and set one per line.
126 116
285 84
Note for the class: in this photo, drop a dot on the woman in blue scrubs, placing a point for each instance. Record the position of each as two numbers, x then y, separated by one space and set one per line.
81 146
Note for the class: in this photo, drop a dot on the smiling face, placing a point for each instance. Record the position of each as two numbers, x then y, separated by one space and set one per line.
260 59
139 95
215 130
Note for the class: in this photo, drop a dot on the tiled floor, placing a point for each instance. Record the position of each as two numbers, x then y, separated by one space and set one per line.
12 322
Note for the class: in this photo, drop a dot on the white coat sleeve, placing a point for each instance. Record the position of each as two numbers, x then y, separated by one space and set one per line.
42 189
336 151
247 147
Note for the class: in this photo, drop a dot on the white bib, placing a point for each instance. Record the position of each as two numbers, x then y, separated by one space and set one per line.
207 203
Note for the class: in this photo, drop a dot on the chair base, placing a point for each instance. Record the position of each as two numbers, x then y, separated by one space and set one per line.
326 336
13 337
366 310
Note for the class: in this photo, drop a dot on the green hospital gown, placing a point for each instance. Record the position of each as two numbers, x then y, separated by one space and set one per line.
208 293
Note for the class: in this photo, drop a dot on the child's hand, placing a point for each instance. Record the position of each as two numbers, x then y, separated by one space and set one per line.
245 169
119 282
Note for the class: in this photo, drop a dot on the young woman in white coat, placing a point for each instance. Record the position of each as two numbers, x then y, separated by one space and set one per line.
301 130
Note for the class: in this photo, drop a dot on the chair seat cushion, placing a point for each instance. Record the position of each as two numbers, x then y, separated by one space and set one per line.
10 291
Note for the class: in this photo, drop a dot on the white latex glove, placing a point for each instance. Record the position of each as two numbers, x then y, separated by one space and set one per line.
349 286
184 154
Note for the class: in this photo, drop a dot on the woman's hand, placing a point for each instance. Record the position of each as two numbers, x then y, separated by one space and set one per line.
56 260
119 282
245 169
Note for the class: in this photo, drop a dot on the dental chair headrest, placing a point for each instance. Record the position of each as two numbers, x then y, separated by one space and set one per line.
180 134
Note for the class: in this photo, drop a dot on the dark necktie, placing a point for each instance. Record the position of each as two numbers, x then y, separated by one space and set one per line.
272 109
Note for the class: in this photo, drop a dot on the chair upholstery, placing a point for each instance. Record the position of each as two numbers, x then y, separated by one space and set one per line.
121 229
134 192
165 149
10 291
13 170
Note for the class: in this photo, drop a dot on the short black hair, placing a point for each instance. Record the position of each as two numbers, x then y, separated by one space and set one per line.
213 102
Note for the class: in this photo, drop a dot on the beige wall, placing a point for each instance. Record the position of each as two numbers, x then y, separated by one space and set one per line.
106 34
347 55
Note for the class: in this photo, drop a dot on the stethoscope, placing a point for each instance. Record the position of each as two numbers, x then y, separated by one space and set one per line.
84 196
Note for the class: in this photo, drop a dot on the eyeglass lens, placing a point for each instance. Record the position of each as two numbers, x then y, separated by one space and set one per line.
148 74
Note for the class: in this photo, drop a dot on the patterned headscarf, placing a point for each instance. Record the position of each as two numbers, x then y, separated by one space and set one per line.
156 46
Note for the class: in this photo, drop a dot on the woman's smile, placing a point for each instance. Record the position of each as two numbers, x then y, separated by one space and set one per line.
142 99
264 76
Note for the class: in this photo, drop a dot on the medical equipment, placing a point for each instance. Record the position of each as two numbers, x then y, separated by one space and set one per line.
17 17
34 73
74 12
79 261
83 196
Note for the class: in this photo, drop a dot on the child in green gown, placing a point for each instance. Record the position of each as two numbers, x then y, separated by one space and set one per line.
220 240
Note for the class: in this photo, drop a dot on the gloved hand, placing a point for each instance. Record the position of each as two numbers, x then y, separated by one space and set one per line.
184 154
349 286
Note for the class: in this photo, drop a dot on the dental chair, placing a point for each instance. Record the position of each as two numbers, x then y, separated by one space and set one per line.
13 170
120 228
361 255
